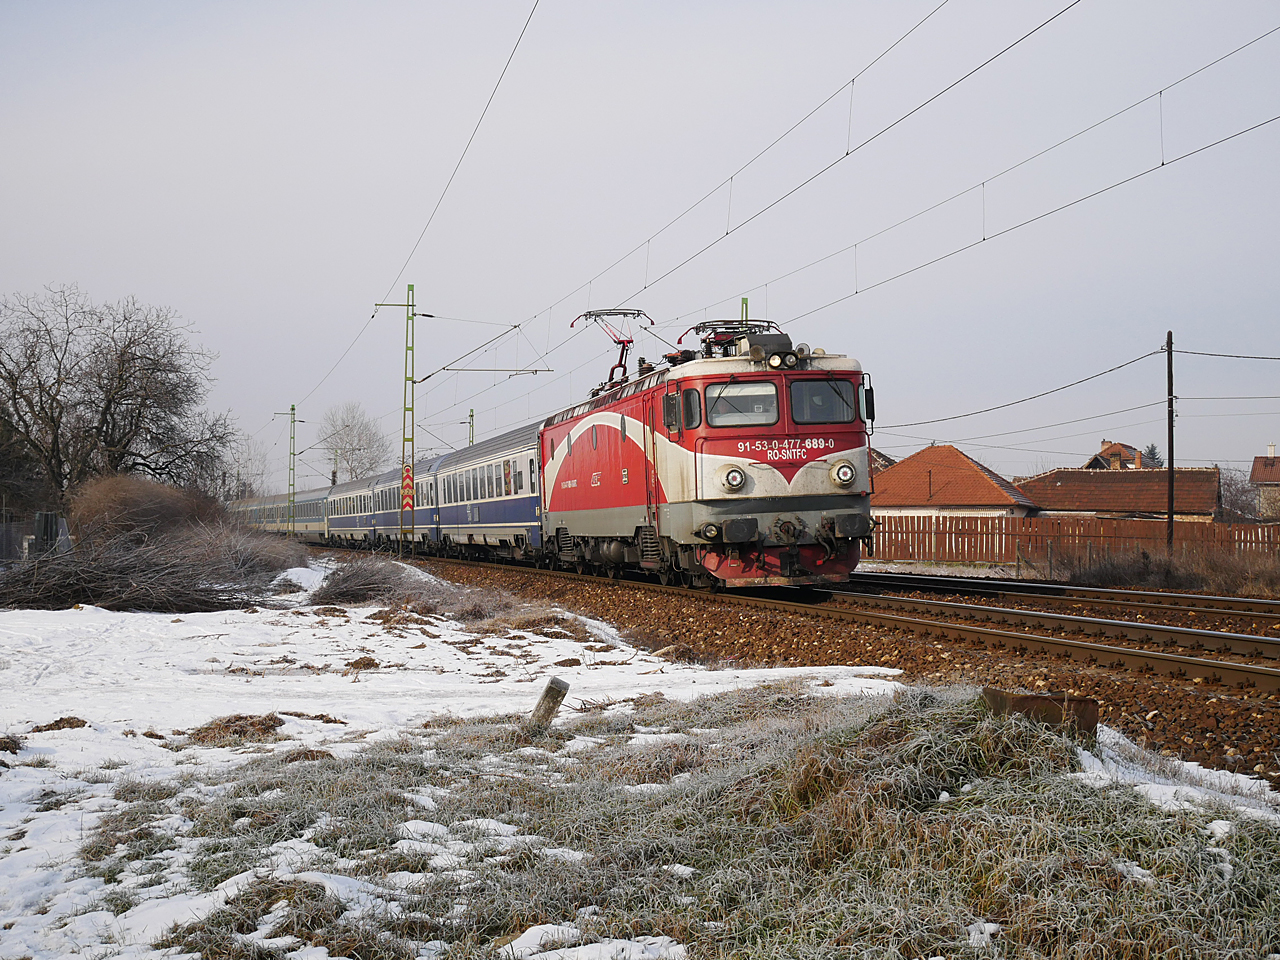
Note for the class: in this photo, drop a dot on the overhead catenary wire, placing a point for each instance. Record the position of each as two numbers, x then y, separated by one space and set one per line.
1048 213
439 201
644 243
982 184
848 153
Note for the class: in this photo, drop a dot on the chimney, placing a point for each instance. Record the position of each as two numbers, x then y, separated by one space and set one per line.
1137 460
1271 451
1115 461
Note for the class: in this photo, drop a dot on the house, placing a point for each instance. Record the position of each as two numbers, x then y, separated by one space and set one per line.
879 460
1125 494
1265 475
942 481
1115 456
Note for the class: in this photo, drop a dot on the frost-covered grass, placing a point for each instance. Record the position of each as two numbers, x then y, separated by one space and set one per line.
766 822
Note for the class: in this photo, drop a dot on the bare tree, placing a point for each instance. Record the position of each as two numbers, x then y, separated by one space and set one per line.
251 476
88 390
355 445
1239 495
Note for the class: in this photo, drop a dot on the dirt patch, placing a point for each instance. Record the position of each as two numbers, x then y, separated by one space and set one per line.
62 723
236 729
330 612
363 663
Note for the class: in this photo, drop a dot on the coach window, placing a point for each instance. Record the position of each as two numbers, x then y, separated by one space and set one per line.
692 409
751 404
533 474
475 483
492 479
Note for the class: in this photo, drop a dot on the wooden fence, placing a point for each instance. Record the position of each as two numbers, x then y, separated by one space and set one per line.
1036 539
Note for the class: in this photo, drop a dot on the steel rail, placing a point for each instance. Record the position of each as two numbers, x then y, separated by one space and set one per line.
1244 644
1141 661
1054 591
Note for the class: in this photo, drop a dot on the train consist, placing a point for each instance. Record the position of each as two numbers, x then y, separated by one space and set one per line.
742 463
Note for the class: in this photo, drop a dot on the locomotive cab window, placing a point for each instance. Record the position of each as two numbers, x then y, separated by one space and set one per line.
692 409
742 404
822 401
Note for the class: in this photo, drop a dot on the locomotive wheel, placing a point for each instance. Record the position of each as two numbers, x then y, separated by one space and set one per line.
666 576
581 568
615 572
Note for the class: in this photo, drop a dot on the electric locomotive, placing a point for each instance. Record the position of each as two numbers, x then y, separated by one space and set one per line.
741 463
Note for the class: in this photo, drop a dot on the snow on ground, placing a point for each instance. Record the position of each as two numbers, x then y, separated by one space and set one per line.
141 681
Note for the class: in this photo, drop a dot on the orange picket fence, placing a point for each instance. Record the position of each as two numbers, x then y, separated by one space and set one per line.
1033 539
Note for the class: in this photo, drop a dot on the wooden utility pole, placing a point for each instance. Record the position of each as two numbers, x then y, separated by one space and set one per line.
1168 349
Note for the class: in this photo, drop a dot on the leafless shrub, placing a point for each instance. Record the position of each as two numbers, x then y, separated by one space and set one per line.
365 579
110 506
186 571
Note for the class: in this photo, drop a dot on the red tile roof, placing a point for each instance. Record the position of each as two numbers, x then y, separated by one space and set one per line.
1102 459
942 476
1195 491
1265 470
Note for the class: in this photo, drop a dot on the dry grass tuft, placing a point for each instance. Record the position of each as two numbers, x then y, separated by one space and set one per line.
814 826
10 744
236 729
319 717
1226 573
62 723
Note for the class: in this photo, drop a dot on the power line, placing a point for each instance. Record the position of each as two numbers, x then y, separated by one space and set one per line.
995 176
1061 423
737 172
458 165
1036 396
848 153
1231 356
436 208
1048 213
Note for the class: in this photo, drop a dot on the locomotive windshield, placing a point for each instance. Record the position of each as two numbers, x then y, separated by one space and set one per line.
742 404
822 401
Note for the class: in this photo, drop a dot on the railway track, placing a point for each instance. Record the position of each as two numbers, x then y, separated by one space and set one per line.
886 614
1057 593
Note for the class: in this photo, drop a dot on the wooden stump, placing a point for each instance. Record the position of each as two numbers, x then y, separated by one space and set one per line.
548 704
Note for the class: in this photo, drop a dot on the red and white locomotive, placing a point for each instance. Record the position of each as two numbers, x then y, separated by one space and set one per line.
742 463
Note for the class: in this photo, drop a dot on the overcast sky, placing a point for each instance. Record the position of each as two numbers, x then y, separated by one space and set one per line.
266 168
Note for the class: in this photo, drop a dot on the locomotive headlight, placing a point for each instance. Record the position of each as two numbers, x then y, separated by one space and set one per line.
734 479
843 473
709 531
775 360
790 359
